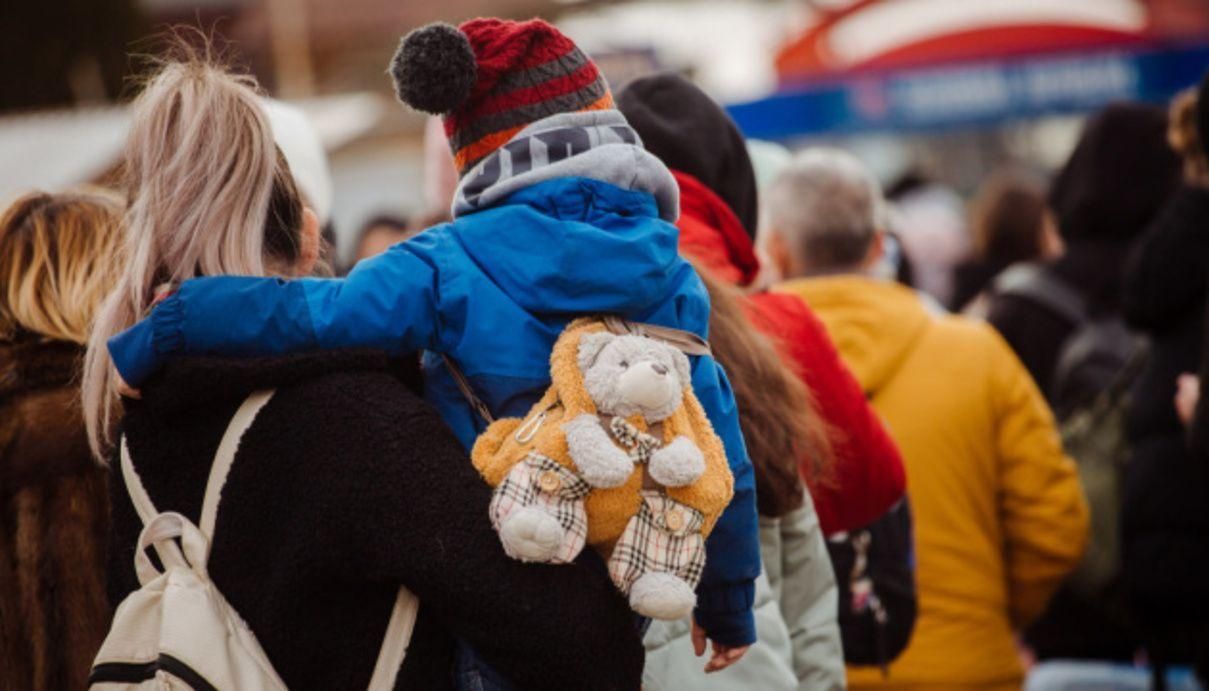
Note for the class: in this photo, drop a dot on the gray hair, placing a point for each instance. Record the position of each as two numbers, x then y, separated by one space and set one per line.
828 206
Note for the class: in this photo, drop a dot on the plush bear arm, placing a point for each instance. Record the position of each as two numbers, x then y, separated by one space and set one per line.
600 461
678 464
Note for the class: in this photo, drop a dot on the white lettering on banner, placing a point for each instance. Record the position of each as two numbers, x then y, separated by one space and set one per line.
951 93
941 96
1093 80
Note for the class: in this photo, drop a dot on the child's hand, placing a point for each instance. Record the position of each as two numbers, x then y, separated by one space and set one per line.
1187 394
724 655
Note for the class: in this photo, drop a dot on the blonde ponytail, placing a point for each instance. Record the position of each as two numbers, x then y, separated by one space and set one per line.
209 194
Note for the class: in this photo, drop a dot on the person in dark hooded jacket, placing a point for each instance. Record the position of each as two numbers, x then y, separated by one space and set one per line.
719 211
1165 518
1100 213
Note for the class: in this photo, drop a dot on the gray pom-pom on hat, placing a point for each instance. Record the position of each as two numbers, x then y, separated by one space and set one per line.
434 68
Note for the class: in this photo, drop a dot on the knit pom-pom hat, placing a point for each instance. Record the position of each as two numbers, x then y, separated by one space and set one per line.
490 78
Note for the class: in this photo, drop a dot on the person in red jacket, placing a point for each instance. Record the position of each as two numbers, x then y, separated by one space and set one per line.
718 218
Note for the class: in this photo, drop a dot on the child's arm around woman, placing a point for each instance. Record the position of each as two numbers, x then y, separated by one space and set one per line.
388 302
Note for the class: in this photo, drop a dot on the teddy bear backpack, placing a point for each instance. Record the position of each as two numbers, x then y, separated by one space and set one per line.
177 631
618 454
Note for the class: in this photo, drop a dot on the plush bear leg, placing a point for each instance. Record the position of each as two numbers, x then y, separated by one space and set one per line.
662 596
531 534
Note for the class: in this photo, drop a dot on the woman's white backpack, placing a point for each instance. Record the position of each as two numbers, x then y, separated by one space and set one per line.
177 631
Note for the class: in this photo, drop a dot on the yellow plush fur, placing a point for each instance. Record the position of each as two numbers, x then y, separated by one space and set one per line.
498 450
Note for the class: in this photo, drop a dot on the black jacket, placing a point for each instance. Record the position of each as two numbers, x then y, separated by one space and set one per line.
347 485
1100 211
1070 628
1035 332
1198 429
1166 509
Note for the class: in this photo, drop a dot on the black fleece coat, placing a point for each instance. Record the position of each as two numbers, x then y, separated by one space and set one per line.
346 486
1166 510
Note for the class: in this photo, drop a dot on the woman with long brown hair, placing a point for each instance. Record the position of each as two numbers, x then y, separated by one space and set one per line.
58 257
796 603
719 211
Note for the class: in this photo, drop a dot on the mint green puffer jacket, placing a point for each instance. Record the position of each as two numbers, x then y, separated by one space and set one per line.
798 647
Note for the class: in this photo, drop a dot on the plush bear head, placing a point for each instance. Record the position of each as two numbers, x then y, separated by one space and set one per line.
628 375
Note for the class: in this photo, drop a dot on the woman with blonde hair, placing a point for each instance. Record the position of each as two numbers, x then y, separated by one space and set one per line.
58 258
347 485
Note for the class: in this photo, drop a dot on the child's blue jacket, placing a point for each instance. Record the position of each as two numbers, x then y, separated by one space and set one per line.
493 290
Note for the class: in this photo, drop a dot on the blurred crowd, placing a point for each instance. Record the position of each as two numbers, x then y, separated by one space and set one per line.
976 455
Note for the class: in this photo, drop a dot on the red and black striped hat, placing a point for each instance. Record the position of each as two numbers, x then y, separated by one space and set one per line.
490 78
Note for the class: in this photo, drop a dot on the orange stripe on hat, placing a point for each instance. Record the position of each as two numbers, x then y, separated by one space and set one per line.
471 154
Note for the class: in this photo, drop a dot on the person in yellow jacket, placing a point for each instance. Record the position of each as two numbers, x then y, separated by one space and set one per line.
1000 517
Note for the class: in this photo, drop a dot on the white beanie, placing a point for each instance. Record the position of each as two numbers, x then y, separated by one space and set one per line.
299 142
768 160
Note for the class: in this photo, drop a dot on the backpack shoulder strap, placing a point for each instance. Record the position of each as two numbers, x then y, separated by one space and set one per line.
225 457
219 470
459 378
1031 282
686 342
403 616
394 643
134 487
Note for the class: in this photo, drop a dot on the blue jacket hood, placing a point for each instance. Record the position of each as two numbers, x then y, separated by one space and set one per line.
575 246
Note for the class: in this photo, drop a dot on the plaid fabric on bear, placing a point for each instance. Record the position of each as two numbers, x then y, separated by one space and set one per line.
639 445
663 537
542 482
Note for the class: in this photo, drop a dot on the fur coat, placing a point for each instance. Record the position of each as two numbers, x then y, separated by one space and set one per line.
53 611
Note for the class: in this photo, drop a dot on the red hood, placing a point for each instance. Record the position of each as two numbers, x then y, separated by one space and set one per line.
712 234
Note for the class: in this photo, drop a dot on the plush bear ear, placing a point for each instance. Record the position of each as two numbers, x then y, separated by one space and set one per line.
680 361
590 346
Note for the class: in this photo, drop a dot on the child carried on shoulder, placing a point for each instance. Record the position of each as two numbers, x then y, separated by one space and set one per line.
560 214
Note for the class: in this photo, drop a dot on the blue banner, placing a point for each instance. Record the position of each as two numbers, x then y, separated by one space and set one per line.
974 93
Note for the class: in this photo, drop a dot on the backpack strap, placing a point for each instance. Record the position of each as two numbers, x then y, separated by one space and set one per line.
394 643
403 616
134 487
225 457
1031 282
459 378
219 470
686 342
